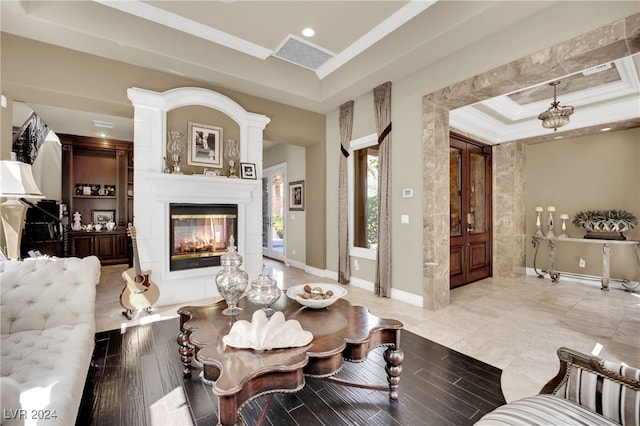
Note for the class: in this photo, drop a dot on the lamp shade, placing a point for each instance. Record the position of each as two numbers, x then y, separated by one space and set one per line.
16 180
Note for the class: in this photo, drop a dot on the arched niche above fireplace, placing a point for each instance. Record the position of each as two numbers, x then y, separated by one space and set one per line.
152 108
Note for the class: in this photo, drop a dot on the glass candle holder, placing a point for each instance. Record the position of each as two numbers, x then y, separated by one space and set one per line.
232 153
175 148
539 232
550 233
564 217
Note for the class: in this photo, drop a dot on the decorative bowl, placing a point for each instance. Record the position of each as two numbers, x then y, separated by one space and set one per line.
296 292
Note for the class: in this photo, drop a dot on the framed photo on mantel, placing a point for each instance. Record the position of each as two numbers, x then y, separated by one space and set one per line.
248 171
204 145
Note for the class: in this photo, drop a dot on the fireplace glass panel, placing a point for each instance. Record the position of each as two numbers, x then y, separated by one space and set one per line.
200 234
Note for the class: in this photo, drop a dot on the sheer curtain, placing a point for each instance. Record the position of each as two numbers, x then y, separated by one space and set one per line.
346 126
382 104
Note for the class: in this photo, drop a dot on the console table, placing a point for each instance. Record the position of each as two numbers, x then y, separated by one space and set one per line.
606 254
340 332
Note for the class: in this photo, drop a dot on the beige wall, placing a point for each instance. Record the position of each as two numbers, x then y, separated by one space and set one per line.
295 221
6 120
406 116
178 120
587 173
6 130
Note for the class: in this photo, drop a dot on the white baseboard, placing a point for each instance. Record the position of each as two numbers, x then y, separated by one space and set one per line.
406 297
400 295
295 264
322 273
363 284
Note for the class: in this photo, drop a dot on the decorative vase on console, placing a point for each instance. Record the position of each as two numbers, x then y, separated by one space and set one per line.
232 152
175 148
231 281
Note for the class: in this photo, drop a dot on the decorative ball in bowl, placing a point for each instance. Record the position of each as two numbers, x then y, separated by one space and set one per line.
316 295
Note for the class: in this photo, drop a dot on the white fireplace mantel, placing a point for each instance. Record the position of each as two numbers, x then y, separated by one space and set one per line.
155 191
203 189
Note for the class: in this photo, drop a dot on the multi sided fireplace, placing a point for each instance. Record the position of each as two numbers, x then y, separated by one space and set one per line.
200 233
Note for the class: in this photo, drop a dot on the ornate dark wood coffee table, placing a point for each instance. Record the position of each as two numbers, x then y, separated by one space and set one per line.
340 332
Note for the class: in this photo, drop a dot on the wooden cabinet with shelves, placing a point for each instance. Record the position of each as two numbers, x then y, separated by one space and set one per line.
111 247
97 182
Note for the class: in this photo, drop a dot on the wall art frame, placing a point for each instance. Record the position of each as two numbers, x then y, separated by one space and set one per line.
296 195
204 145
103 216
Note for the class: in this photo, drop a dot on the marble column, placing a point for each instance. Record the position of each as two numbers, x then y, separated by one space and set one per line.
509 230
435 154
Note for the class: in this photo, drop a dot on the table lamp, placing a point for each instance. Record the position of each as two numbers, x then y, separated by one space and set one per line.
16 182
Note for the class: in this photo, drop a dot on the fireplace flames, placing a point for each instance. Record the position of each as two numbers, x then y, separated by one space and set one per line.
201 236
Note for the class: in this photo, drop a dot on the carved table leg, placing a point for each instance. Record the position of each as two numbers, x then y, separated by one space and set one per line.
394 358
185 349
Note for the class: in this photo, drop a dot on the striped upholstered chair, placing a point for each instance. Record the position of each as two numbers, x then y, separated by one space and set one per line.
586 391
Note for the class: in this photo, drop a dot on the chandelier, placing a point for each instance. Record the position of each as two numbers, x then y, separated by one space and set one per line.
556 116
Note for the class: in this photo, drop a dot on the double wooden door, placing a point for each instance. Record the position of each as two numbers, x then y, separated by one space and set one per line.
470 210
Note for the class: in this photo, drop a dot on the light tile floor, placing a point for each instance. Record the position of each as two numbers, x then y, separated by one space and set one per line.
516 325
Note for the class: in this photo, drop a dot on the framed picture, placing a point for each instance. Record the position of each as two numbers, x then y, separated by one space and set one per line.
103 216
248 171
296 195
205 145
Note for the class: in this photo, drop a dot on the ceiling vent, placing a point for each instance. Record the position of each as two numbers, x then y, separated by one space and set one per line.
100 123
597 69
302 53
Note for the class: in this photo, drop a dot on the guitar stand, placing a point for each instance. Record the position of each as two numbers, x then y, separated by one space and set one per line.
128 312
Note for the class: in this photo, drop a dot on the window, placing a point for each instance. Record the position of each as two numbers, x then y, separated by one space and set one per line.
363 196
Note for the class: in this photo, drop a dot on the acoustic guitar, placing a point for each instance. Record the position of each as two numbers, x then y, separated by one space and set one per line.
139 292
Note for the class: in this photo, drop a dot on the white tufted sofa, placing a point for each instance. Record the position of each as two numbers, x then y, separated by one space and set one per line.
47 314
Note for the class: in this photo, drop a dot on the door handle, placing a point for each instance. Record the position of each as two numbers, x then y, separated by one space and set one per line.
470 222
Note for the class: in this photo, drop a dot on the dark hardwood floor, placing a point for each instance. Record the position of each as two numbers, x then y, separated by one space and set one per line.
139 366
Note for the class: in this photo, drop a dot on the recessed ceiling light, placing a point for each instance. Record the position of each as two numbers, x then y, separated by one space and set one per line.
308 32
605 129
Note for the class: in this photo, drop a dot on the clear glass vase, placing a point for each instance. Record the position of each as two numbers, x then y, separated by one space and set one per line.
231 281
264 291
175 148
232 152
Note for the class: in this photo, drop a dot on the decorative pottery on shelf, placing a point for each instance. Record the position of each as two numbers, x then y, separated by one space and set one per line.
605 224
